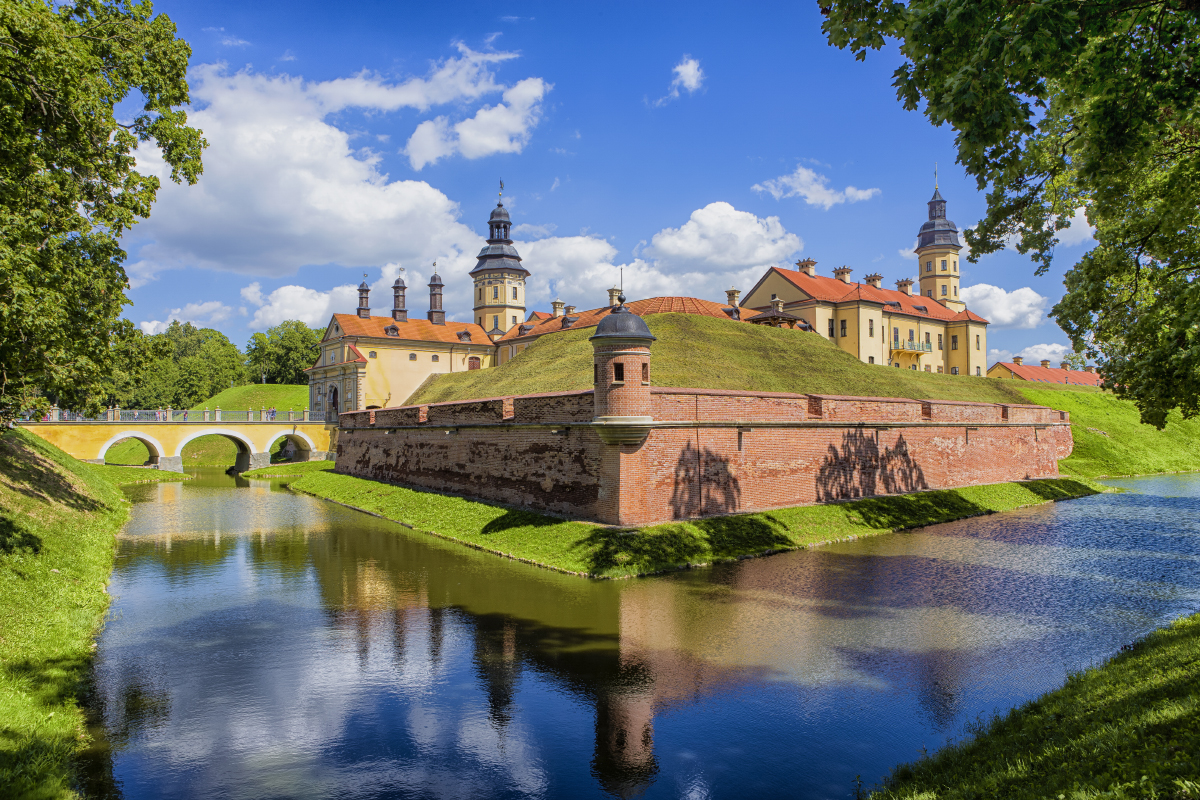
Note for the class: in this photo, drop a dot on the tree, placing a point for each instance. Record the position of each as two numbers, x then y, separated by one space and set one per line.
68 187
1062 105
284 352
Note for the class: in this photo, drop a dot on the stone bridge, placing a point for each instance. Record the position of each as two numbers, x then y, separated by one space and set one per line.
166 433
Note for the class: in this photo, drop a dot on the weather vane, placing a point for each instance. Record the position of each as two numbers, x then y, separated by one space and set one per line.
935 185
501 194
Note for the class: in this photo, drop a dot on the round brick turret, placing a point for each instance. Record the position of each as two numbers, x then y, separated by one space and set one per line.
621 376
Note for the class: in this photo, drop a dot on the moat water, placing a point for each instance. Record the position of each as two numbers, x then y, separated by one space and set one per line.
267 645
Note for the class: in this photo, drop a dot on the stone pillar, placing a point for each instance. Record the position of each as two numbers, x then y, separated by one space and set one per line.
249 415
218 414
262 415
167 418
206 415
305 417
291 415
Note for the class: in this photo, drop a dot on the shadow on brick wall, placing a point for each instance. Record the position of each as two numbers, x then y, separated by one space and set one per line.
860 469
704 484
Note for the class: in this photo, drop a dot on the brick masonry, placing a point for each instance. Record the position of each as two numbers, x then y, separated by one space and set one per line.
707 453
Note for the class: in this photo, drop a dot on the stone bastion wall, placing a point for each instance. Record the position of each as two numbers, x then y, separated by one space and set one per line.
698 452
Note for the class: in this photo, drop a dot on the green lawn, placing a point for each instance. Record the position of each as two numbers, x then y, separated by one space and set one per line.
258 396
58 521
588 549
289 469
709 353
1129 728
1110 439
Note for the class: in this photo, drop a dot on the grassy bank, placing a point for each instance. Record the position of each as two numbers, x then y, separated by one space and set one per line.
587 549
289 469
257 396
58 520
1110 439
710 353
1128 728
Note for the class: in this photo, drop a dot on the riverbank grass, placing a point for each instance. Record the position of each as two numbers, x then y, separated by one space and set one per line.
1127 728
58 522
597 551
289 469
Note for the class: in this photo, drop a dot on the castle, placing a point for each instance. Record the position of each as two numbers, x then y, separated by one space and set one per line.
368 362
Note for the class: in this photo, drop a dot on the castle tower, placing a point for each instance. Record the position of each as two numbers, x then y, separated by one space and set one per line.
364 305
621 376
436 315
399 314
499 277
937 254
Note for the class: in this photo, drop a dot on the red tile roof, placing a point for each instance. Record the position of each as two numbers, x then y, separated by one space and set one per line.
421 330
539 315
833 290
590 318
1074 377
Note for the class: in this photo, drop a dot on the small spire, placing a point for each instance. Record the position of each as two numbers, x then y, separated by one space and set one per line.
935 183
500 196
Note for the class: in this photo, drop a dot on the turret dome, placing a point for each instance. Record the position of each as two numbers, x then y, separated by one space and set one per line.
938 229
621 323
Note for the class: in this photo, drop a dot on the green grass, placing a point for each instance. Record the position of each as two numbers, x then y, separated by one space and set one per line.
58 521
258 396
289 469
1110 439
588 549
123 476
207 451
709 353
1128 728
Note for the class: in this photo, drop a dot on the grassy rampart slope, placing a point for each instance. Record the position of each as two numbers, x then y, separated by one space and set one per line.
58 521
1110 439
1128 728
257 396
588 549
709 353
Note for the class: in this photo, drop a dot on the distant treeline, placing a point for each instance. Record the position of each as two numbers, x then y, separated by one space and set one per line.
184 365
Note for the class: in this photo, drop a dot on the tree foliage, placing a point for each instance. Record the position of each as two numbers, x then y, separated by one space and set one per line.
284 352
1067 104
69 188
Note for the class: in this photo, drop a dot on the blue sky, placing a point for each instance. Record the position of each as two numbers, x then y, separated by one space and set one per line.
691 144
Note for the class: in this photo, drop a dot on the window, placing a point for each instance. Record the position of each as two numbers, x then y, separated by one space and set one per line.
928 368
954 370
372 354
435 358
495 320
495 292
943 265
976 341
929 266
618 372
830 329
911 334
481 322
871 328
956 291
896 334
412 356
595 373
774 297
956 265
480 292
514 320
843 331
939 370
943 290
929 292
953 342
473 362
913 367
514 293
939 341
870 359
645 372
978 373
897 365
927 337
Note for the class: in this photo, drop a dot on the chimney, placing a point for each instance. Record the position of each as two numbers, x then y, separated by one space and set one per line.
843 274
1064 365
398 312
905 285
364 305
569 310
875 279
436 315
1090 368
732 296
1046 363
777 306
557 305
808 267
612 296
1018 360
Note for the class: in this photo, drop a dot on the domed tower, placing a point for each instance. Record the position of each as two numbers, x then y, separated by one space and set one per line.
937 254
499 277
621 376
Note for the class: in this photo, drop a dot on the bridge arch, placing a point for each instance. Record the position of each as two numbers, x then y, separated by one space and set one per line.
155 447
304 445
244 445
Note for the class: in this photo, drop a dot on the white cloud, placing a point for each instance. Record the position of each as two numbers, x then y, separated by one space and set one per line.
233 41
502 128
688 76
1054 353
909 252
719 237
1020 308
314 307
813 187
199 314
533 231
1080 232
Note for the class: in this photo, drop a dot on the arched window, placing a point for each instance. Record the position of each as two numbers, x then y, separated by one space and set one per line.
435 358
473 362
412 356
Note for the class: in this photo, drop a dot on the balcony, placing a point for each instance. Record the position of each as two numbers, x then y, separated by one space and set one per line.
911 346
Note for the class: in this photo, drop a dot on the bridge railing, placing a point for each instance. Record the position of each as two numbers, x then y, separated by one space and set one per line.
173 415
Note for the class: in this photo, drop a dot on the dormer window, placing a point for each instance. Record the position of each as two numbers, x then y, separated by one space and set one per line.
922 309
464 336
569 321
524 329
391 330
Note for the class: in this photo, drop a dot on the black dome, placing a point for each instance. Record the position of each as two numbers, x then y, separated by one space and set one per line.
622 324
938 229
499 212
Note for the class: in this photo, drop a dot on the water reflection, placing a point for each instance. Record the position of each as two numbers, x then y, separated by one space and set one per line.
264 644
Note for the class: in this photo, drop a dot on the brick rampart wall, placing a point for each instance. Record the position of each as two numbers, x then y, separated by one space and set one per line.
710 453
